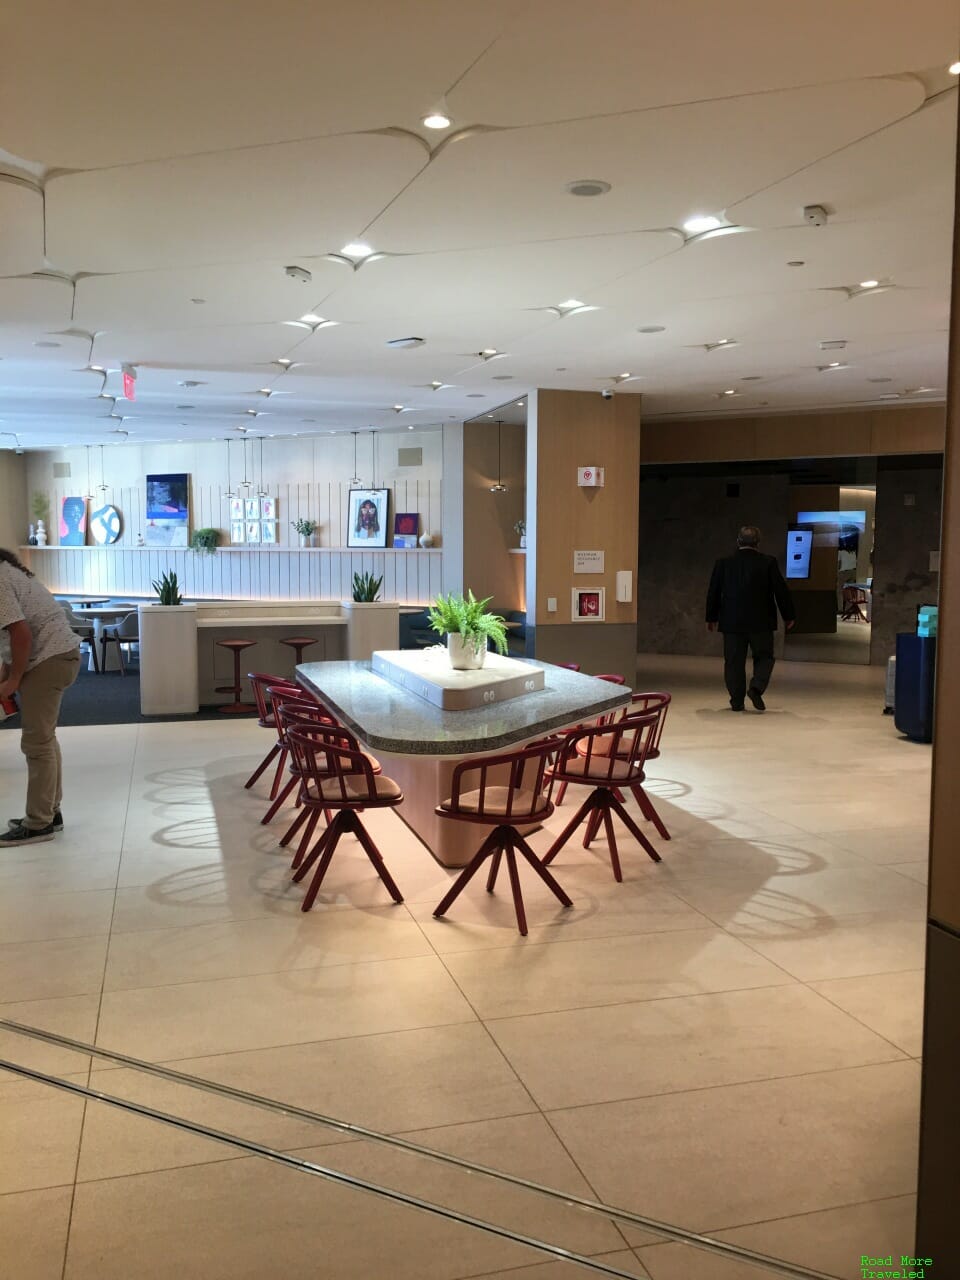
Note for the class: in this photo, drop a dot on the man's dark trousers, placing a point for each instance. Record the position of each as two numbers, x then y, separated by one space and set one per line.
735 646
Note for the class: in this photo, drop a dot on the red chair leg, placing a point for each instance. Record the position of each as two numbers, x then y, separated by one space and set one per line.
280 801
561 792
515 888
373 853
494 868
295 826
648 810
593 827
524 849
322 866
632 827
315 853
468 872
262 765
588 805
305 839
612 845
284 752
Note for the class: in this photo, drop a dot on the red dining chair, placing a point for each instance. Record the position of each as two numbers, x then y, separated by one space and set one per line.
522 802
289 701
606 718
339 778
569 666
260 683
607 758
641 703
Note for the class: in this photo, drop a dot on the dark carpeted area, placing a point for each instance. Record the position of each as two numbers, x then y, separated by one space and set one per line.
109 698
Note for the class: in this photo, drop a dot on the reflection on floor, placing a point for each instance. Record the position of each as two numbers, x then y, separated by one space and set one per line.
728 1040
850 643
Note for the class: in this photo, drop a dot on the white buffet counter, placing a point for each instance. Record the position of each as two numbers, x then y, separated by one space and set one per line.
181 663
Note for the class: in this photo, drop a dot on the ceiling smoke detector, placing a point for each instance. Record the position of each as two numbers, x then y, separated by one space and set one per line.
588 187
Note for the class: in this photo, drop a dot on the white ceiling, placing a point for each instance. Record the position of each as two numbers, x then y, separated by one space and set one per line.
159 171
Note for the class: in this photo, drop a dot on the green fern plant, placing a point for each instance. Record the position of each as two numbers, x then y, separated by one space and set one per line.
467 616
366 587
205 540
168 589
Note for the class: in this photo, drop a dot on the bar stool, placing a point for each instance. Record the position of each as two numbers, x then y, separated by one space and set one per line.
298 644
607 757
520 803
236 707
339 778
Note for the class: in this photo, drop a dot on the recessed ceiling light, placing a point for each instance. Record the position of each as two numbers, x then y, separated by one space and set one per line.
186 406
519 404
46 344
879 379
829 368
284 362
730 391
752 377
436 120
502 377
356 249
919 391
720 343
652 328
833 344
570 304
310 318
96 368
954 68
797 262
410 426
190 382
588 187
198 302
869 284
701 222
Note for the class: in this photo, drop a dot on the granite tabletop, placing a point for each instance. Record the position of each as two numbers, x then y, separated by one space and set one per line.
388 718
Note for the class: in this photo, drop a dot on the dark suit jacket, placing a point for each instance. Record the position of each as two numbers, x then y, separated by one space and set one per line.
746 589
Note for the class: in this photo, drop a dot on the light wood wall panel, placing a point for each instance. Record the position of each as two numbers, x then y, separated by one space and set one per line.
866 433
489 569
577 429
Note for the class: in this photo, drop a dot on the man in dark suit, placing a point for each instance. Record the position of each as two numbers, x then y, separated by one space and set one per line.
746 590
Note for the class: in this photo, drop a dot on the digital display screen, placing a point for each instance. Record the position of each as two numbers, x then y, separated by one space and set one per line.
799 542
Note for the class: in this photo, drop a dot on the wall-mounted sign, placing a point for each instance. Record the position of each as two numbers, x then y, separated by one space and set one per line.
588 562
590 477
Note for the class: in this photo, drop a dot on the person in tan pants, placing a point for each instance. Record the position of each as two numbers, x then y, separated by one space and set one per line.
41 659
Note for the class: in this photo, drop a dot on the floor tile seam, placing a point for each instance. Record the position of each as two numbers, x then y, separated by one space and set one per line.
734 1084
163 928
618 1004
590 937
855 1017
864 916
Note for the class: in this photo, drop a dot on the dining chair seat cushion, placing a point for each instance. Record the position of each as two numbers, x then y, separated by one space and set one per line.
527 807
620 771
356 789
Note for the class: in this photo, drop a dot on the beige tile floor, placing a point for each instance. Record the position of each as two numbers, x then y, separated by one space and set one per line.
728 1040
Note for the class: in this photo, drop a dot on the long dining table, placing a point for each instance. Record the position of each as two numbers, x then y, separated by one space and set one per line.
419 744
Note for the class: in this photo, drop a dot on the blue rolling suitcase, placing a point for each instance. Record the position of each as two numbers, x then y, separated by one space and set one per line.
913 701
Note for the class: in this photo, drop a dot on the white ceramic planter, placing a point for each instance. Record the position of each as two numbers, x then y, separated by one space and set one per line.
371 626
464 654
169 679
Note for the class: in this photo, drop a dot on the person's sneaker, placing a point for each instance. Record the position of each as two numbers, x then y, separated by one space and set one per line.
756 697
57 823
26 835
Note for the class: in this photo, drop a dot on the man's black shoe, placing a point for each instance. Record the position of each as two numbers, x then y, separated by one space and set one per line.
756 698
736 706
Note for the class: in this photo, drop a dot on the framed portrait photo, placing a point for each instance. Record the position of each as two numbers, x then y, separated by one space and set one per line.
238 530
367 518
587 606
406 524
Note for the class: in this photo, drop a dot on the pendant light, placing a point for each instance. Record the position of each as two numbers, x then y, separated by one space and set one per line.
499 487
245 483
262 491
230 490
102 486
88 496
355 480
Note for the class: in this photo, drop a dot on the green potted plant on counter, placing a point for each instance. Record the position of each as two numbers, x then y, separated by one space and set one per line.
306 529
469 628
168 590
205 541
366 587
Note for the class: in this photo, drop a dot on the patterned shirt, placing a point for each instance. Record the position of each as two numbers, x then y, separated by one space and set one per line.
25 599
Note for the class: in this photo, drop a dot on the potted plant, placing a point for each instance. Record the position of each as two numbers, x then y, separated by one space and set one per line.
468 628
306 529
366 587
205 541
168 590
521 528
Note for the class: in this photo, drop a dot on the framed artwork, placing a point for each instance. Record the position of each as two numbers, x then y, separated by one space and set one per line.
168 510
268 532
253 530
251 508
236 509
367 518
587 606
406 523
268 509
73 522
404 542
105 525
238 530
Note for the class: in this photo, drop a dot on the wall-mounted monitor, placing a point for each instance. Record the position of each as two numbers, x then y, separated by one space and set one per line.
799 542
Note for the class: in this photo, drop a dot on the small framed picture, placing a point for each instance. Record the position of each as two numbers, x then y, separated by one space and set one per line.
404 542
253 530
238 530
252 508
268 533
268 509
406 523
587 606
236 509
367 519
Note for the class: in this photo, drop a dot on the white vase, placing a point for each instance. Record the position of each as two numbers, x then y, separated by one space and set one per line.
426 540
305 540
464 654
41 534
523 541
